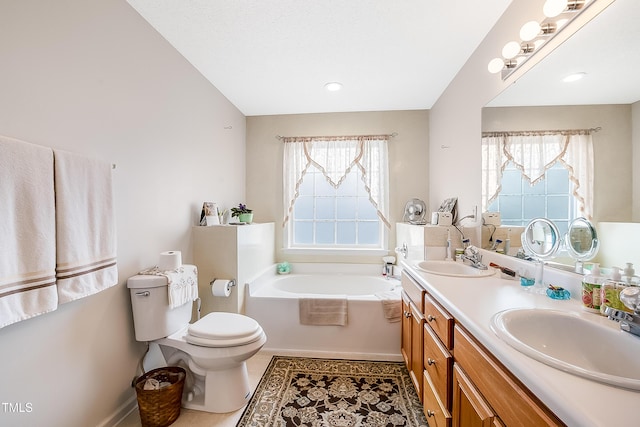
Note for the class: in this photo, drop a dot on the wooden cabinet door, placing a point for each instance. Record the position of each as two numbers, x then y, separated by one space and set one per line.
406 331
469 407
417 348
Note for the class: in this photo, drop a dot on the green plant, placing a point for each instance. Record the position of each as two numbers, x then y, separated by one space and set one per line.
240 209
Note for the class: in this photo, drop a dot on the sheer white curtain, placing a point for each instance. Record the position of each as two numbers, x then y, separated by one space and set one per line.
335 157
535 152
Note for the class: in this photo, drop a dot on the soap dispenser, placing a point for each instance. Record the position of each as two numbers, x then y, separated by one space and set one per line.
591 285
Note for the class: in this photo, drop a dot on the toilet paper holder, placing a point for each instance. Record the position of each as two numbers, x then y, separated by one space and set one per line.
232 282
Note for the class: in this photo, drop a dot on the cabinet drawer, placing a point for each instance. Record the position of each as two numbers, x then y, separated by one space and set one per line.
436 413
440 320
438 363
413 290
510 399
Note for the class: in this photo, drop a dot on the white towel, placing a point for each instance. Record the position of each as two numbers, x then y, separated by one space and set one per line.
85 223
27 231
323 311
182 283
391 305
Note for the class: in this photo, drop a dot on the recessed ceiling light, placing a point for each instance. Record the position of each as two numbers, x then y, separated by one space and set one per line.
333 86
574 77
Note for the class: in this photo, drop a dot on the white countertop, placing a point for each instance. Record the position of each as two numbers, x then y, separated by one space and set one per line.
575 400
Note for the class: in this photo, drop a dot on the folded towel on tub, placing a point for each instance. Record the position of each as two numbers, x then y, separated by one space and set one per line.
182 283
27 231
391 305
85 224
323 311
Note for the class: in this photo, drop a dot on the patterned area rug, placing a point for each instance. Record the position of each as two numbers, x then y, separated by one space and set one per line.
325 393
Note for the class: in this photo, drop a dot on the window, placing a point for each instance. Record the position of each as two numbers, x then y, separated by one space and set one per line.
519 201
335 192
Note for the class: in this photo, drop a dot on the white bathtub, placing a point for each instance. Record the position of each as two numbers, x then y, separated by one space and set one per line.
272 300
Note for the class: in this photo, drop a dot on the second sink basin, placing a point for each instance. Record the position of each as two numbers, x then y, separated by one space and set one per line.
451 268
572 343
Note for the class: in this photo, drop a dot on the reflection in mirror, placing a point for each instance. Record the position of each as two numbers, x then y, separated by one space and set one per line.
541 241
581 242
606 49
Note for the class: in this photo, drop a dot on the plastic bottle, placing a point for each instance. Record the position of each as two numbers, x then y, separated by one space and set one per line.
507 242
591 285
610 291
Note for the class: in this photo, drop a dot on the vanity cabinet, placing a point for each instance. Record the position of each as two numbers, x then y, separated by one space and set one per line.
412 325
510 400
459 382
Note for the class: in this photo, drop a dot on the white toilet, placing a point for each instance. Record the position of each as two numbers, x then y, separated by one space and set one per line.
213 350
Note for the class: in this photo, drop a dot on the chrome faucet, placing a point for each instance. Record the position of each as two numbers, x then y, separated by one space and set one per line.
629 322
472 256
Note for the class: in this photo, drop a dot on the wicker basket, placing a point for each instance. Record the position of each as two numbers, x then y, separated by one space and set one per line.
160 408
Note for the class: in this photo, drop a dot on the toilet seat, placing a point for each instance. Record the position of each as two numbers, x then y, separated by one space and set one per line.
222 329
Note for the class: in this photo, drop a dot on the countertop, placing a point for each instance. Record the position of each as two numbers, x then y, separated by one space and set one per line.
575 400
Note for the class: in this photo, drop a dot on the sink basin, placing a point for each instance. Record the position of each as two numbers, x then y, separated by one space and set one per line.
573 343
450 268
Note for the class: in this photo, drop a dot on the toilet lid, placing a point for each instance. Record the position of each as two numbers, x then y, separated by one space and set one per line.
223 330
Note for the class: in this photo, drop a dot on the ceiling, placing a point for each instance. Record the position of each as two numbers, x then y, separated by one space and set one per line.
275 56
607 49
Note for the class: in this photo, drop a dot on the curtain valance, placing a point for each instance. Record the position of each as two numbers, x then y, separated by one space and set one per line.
335 157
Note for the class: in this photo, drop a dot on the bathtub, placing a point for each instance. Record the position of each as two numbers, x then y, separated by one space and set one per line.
272 300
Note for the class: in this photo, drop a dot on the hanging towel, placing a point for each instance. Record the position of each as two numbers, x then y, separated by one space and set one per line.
27 231
182 283
85 225
323 311
391 305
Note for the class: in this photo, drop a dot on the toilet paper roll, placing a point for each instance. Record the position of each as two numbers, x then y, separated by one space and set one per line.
221 288
170 260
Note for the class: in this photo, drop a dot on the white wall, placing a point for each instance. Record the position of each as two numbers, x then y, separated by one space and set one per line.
408 176
94 78
635 137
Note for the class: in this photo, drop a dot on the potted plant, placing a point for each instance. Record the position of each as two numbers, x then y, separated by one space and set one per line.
243 213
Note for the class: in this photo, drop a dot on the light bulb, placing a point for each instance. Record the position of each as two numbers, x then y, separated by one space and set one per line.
529 31
510 50
554 8
495 65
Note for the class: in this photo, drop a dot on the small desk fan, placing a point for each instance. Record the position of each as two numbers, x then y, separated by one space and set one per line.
415 211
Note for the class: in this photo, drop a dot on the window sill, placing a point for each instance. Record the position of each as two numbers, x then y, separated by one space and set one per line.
336 251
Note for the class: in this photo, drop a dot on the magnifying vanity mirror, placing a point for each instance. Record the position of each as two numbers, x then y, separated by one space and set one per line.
607 97
581 242
541 240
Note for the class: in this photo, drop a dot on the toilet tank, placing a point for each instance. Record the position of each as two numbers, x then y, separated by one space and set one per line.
152 316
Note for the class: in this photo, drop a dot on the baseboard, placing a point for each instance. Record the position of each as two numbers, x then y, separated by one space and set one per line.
395 357
120 413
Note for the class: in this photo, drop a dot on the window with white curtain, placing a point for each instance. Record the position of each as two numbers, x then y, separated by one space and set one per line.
336 193
538 174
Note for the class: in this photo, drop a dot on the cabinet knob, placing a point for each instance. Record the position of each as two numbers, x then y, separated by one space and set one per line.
431 318
430 413
407 314
430 361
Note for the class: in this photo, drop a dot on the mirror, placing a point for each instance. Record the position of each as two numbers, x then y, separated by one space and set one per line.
541 238
581 240
606 49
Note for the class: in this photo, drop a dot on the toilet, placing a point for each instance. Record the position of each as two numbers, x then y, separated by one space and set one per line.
213 350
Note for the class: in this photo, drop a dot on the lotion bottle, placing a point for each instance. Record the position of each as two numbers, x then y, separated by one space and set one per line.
591 285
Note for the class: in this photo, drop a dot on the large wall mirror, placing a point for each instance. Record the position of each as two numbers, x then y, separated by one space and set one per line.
607 98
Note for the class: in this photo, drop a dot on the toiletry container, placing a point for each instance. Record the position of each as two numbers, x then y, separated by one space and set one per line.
591 285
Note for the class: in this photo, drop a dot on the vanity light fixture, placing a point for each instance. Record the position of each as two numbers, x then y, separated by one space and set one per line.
333 86
534 34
